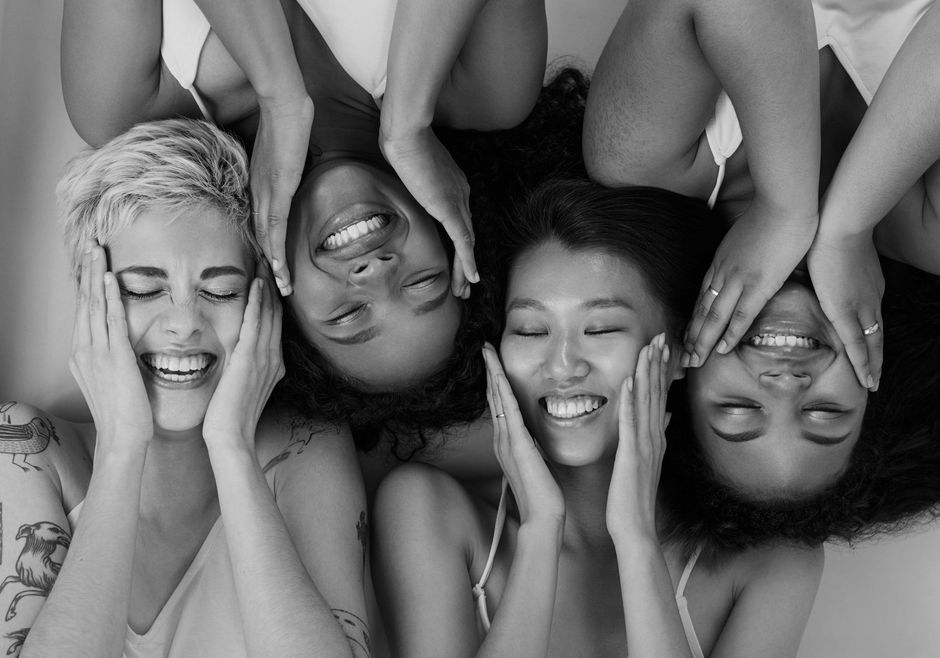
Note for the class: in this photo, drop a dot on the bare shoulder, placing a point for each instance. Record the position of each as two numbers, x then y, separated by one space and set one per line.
427 499
286 441
33 441
784 564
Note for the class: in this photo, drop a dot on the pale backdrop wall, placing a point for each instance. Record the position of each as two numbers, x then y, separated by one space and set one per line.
877 601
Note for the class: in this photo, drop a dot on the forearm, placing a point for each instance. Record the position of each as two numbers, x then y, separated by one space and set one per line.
110 62
417 68
282 610
897 140
654 627
522 625
765 56
256 34
86 611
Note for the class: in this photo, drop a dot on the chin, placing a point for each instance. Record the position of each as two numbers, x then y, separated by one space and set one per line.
179 416
573 448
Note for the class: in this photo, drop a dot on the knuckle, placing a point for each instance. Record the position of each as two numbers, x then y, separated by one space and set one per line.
712 315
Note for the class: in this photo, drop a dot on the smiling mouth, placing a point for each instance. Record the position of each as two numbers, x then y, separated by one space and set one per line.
782 340
576 406
354 231
178 369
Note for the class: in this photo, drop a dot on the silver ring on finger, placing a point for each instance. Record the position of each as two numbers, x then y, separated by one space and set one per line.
874 328
713 291
500 415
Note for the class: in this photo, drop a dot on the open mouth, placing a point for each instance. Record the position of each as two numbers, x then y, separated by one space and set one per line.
178 369
782 340
576 406
355 231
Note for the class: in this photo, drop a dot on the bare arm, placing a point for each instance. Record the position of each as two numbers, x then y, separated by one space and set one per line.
317 462
771 611
86 611
112 75
417 70
881 181
653 94
282 609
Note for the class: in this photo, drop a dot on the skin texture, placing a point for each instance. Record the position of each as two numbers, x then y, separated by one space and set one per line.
167 459
582 522
797 413
398 288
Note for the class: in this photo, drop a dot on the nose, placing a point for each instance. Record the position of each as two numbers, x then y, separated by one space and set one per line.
565 361
183 318
365 270
786 379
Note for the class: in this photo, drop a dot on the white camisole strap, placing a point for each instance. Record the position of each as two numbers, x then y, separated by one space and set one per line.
478 592
683 605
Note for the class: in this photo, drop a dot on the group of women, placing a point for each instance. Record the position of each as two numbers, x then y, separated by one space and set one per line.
452 440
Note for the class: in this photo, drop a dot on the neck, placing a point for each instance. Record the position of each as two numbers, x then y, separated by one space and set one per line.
177 476
585 491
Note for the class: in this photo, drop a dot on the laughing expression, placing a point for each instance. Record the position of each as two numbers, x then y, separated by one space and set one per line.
575 324
184 279
371 277
781 413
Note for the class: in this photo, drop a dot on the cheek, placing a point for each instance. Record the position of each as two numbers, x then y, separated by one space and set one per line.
227 324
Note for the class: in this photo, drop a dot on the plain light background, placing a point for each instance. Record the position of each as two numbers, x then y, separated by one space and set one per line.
879 600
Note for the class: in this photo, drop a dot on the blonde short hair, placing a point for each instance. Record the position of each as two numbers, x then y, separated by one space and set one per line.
169 165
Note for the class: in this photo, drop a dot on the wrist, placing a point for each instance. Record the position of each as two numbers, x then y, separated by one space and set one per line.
546 532
635 546
402 129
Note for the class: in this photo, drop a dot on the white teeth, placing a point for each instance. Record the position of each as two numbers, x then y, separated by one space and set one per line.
176 368
580 405
355 231
780 340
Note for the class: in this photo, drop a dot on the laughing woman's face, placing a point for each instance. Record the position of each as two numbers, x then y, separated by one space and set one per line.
575 324
781 413
371 277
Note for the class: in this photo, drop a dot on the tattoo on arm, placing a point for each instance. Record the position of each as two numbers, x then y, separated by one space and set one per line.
18 637
362 531
23 440
357 632
39 562
302 432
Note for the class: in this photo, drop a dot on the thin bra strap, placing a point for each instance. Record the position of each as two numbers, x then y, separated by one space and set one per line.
680 589
478 592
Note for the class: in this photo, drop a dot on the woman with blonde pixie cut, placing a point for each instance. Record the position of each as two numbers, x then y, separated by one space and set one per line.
155 530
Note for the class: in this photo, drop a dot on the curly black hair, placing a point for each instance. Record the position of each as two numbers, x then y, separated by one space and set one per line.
892 481
500 166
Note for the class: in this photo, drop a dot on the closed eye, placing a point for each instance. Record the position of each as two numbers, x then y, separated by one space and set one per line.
348 316
140 295
220 296
601 332
423 282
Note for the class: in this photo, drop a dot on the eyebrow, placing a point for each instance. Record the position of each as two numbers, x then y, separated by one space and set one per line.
600 302
750 435
432 304
357 338
208 273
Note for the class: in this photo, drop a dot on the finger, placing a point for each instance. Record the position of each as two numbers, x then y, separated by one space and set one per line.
117 323
713 322
849 329
875 344
710 289
627 412
277 238
751 302
97 311
462 237
81 332
642 395
251 322
459 284
656 387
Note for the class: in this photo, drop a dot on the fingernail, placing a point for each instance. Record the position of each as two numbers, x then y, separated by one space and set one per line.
95 253
649 354
694 361
870 382
684 360
722 346
275 264
875 389
665 356
475 277
630 383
